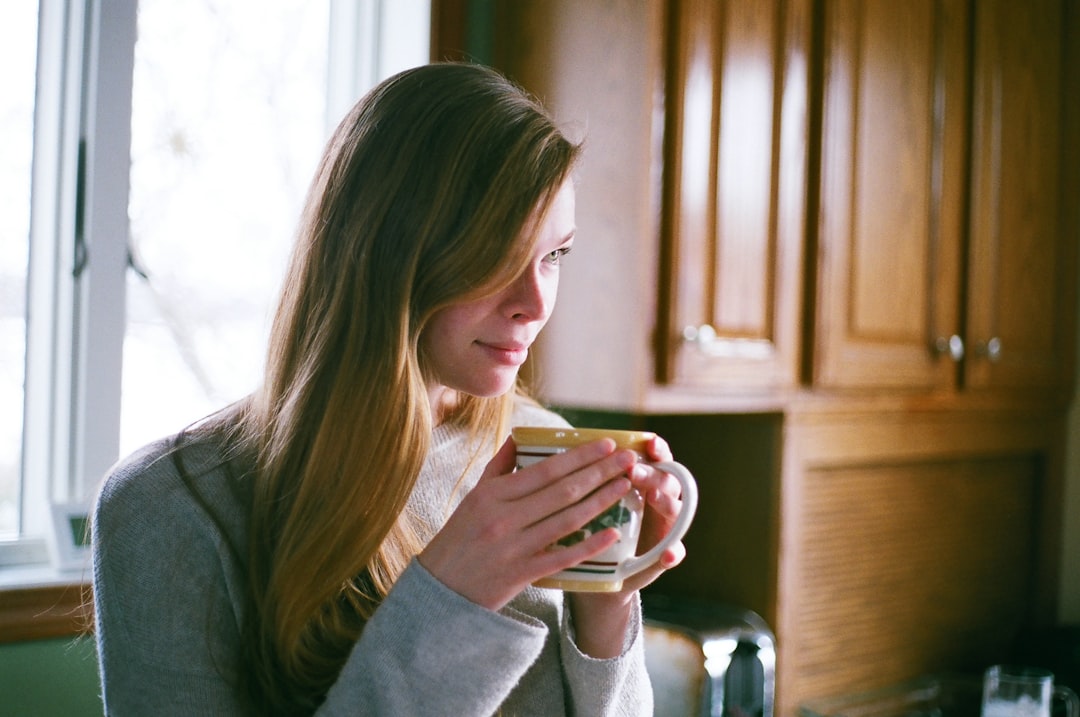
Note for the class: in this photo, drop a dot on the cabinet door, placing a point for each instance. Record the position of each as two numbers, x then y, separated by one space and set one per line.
1021 272
894 120
734 192
902 569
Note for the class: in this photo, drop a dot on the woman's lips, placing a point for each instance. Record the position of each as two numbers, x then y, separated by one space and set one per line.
509 354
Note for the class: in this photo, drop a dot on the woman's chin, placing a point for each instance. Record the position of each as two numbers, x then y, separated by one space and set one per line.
496 385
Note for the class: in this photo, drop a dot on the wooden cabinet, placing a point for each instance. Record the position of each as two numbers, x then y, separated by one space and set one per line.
691 194
811 195
1021 284
872 207
880 545
944 257
890 221
733 212
911 543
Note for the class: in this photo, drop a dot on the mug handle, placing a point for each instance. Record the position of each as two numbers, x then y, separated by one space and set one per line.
1072 703
682 521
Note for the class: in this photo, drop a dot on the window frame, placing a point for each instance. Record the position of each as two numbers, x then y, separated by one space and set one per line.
79 257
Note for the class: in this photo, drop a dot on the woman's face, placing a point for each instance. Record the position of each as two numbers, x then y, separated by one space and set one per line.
477 347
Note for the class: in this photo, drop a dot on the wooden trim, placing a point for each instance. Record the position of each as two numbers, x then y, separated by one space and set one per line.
1069 208
37 613
449 30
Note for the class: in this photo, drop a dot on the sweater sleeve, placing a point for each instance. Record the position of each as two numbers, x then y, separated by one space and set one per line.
429 651
168 622
617 687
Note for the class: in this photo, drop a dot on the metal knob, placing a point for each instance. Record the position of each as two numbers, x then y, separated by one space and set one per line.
990 348
707 342
952 345
703 335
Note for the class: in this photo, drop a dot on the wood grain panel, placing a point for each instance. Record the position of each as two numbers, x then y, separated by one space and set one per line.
743 298
894 114
735 156
1020 265
892 164
909 569
37 613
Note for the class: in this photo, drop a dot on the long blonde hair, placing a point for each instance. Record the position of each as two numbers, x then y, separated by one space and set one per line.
423 198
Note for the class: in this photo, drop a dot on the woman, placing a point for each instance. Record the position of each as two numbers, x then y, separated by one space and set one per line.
349 539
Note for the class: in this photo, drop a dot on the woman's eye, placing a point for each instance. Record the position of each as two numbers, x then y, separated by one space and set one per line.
556 256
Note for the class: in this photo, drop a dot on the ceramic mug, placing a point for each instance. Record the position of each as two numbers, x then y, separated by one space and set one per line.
1023 692
605 572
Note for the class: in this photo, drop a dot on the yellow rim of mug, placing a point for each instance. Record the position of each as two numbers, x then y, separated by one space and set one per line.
546 436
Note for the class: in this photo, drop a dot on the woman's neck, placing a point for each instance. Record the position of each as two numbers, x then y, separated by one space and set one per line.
442 401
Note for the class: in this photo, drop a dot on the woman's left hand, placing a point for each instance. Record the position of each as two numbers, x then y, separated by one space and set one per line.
600 619
663 502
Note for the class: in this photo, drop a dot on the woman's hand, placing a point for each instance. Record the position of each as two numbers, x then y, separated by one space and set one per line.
496 542
600 619
662 494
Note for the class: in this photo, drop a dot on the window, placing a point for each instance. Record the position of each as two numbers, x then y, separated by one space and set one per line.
228 107
171 143
17 55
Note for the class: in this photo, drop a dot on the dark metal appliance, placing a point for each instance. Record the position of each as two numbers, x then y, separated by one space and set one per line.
708 659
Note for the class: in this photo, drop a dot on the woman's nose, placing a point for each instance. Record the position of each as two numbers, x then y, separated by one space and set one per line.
531 297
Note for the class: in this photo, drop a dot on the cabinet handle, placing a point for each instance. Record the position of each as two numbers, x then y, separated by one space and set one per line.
953 346
991 349
707 342
704 336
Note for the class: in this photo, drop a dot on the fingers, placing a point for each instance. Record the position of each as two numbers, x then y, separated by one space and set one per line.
662 508
565 519
548 494
658 450
539 475
506 525
497 540
556 496
554 558
674 555
665 500
503 461
669 559
658 488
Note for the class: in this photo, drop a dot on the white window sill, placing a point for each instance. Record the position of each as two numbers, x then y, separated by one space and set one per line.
28 563
41 576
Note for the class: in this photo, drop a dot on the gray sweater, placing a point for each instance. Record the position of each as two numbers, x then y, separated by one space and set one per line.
169 600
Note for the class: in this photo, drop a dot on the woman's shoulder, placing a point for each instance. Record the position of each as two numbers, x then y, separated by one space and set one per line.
529 412
165 476
150 466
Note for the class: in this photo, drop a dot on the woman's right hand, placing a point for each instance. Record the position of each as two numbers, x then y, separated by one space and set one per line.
496 542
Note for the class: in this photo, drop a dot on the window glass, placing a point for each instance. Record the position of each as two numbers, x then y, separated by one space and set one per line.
18 58
228 120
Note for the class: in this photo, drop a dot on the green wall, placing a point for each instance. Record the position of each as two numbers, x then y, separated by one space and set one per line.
48 678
